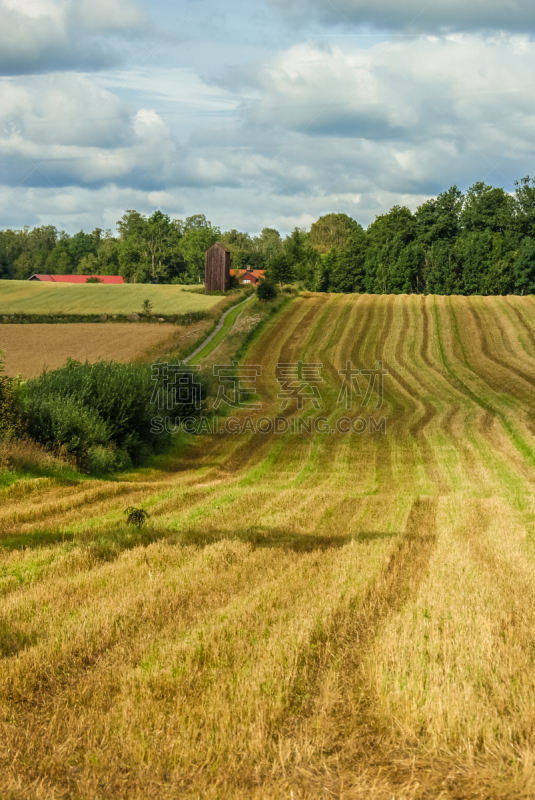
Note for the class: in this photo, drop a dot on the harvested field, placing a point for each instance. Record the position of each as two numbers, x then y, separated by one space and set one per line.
29 348
314 615
32 297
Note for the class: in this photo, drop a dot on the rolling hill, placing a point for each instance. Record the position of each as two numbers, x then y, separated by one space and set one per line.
329 614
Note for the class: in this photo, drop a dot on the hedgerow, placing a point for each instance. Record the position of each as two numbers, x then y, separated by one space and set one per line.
11 411
100 414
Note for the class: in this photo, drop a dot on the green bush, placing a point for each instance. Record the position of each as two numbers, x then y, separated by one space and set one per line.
63 421
104 460
100 413
266 291
12 422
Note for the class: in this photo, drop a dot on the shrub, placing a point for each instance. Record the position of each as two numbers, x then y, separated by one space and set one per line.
101 459
94 279
136 516
12 422
56 420
266 291
102 413
147 308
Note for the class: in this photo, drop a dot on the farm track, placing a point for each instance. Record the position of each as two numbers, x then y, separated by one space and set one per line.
302 613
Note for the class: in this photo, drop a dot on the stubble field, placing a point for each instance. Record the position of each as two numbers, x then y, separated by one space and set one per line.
31 348
304 615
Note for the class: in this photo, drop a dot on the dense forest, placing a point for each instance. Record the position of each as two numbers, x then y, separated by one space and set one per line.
482 242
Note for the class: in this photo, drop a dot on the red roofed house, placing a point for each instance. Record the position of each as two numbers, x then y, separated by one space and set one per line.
248 275
76 278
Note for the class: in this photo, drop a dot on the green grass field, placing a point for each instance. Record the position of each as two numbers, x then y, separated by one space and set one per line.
24 297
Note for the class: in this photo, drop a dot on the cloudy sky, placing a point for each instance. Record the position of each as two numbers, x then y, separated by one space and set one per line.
256 114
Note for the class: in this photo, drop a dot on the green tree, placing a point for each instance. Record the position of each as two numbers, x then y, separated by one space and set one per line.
332 230
439 219
524 208
487 209
157 236
266 290
194 245
269 244
26 265
81 245
88 265
58 262
347 272
41 241
279 270
524 268
132 223
295 247
10 250
310 273
108 257
133 265
195 222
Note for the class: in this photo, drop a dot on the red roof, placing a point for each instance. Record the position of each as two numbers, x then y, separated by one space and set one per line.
258 273
76 278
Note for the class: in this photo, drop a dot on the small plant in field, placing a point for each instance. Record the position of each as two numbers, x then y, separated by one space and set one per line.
147 308
94 279
136 516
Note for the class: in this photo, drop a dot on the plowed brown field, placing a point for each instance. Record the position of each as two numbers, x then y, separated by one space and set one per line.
305 615
29 348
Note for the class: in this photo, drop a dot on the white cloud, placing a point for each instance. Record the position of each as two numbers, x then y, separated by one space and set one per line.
411 90
73 207
319 128
103 16
44 35
81 132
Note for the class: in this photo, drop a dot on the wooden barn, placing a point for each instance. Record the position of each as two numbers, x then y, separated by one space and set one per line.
217 269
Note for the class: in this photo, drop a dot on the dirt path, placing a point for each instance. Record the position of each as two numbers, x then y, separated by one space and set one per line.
218 328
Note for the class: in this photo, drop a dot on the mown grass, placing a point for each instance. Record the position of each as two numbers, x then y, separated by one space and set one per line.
303 615
24 459
32 297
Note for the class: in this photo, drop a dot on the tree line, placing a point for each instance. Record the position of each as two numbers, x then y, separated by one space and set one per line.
481 242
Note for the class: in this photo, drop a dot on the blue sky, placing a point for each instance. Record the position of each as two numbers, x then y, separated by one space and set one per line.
258 114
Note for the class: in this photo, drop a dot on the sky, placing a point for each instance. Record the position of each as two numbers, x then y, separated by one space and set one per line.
259 114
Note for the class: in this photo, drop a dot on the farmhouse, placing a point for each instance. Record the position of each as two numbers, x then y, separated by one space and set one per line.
248 275
76 278
217 268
